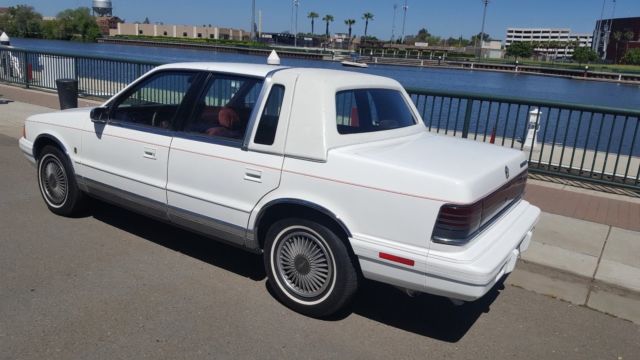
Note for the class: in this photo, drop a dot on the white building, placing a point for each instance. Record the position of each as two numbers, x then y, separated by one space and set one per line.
492 49
547 38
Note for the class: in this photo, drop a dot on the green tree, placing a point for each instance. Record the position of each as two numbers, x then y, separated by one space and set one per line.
423 35
627 36
584 54
520 49
617 37
327 19
146 21
367 17
22 21
632 57
53 29
313 16
349 23
475 39
78 24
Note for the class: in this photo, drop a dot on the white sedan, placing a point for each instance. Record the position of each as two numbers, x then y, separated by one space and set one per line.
331 175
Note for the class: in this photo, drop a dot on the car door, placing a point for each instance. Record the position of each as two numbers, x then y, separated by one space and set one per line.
213 181
126 157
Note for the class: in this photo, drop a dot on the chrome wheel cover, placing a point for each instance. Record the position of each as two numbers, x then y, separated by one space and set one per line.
54 183
305 263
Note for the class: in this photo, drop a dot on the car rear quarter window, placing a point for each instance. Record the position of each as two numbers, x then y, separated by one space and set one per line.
268 125
370 110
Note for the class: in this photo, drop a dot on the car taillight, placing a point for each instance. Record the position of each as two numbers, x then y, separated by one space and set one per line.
457 224
24 131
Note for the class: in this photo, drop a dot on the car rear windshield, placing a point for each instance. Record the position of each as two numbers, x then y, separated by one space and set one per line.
368 110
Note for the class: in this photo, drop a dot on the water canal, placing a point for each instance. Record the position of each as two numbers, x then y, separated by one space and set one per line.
485 82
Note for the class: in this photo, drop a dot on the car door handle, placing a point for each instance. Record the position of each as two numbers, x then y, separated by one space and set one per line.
253 175
150 153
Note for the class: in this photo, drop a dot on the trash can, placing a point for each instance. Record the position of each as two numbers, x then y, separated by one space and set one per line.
67 93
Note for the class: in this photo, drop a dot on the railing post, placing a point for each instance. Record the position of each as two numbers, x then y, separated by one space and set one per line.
467 119
25 69
75 67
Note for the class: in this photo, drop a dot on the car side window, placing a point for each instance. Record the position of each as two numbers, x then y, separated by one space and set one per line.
369 110
266 132
224 109
155 101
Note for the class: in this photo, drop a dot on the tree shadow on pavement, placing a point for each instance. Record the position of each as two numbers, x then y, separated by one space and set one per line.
425 315
186 242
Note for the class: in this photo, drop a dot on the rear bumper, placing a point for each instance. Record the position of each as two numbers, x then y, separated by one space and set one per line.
26 147
464 273
470 272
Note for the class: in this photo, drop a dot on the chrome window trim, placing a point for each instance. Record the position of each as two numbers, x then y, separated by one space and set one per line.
215 140
144 128
258 108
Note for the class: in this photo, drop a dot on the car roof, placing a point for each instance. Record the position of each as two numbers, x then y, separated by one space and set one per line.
257 70
328 77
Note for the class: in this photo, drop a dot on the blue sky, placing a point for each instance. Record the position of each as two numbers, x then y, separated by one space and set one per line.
445 18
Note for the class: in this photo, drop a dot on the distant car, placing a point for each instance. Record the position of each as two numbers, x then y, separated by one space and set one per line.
332 175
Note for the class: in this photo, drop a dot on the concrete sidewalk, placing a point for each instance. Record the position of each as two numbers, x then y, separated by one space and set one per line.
585 250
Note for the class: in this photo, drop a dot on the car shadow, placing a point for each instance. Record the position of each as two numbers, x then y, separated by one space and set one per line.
191 244
426 315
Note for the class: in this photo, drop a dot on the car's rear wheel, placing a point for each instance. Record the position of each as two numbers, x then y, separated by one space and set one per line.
57 182
309 267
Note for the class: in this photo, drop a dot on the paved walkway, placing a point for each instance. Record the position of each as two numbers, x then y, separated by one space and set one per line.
585 250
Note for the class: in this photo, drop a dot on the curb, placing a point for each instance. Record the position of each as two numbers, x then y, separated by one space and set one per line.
578 290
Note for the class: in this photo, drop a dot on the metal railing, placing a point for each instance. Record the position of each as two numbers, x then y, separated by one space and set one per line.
98 76
591 143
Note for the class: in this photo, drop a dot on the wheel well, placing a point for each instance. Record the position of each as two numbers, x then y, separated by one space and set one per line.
285 210
43 141
309 211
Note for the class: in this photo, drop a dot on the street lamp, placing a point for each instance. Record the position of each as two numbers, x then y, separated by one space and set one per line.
393 24
253 20
404 18
484 17
295 32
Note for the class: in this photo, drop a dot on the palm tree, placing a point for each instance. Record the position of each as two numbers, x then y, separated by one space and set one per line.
327 19
628 36
312 15
349 22
617 36
366 17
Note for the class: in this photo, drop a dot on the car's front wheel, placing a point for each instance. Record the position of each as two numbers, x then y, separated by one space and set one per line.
57 183
309 267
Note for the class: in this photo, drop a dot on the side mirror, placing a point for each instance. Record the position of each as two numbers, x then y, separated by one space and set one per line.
99 115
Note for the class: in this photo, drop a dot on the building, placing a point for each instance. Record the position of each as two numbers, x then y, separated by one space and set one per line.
611 41
180 31
492 49
552 43
107 23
